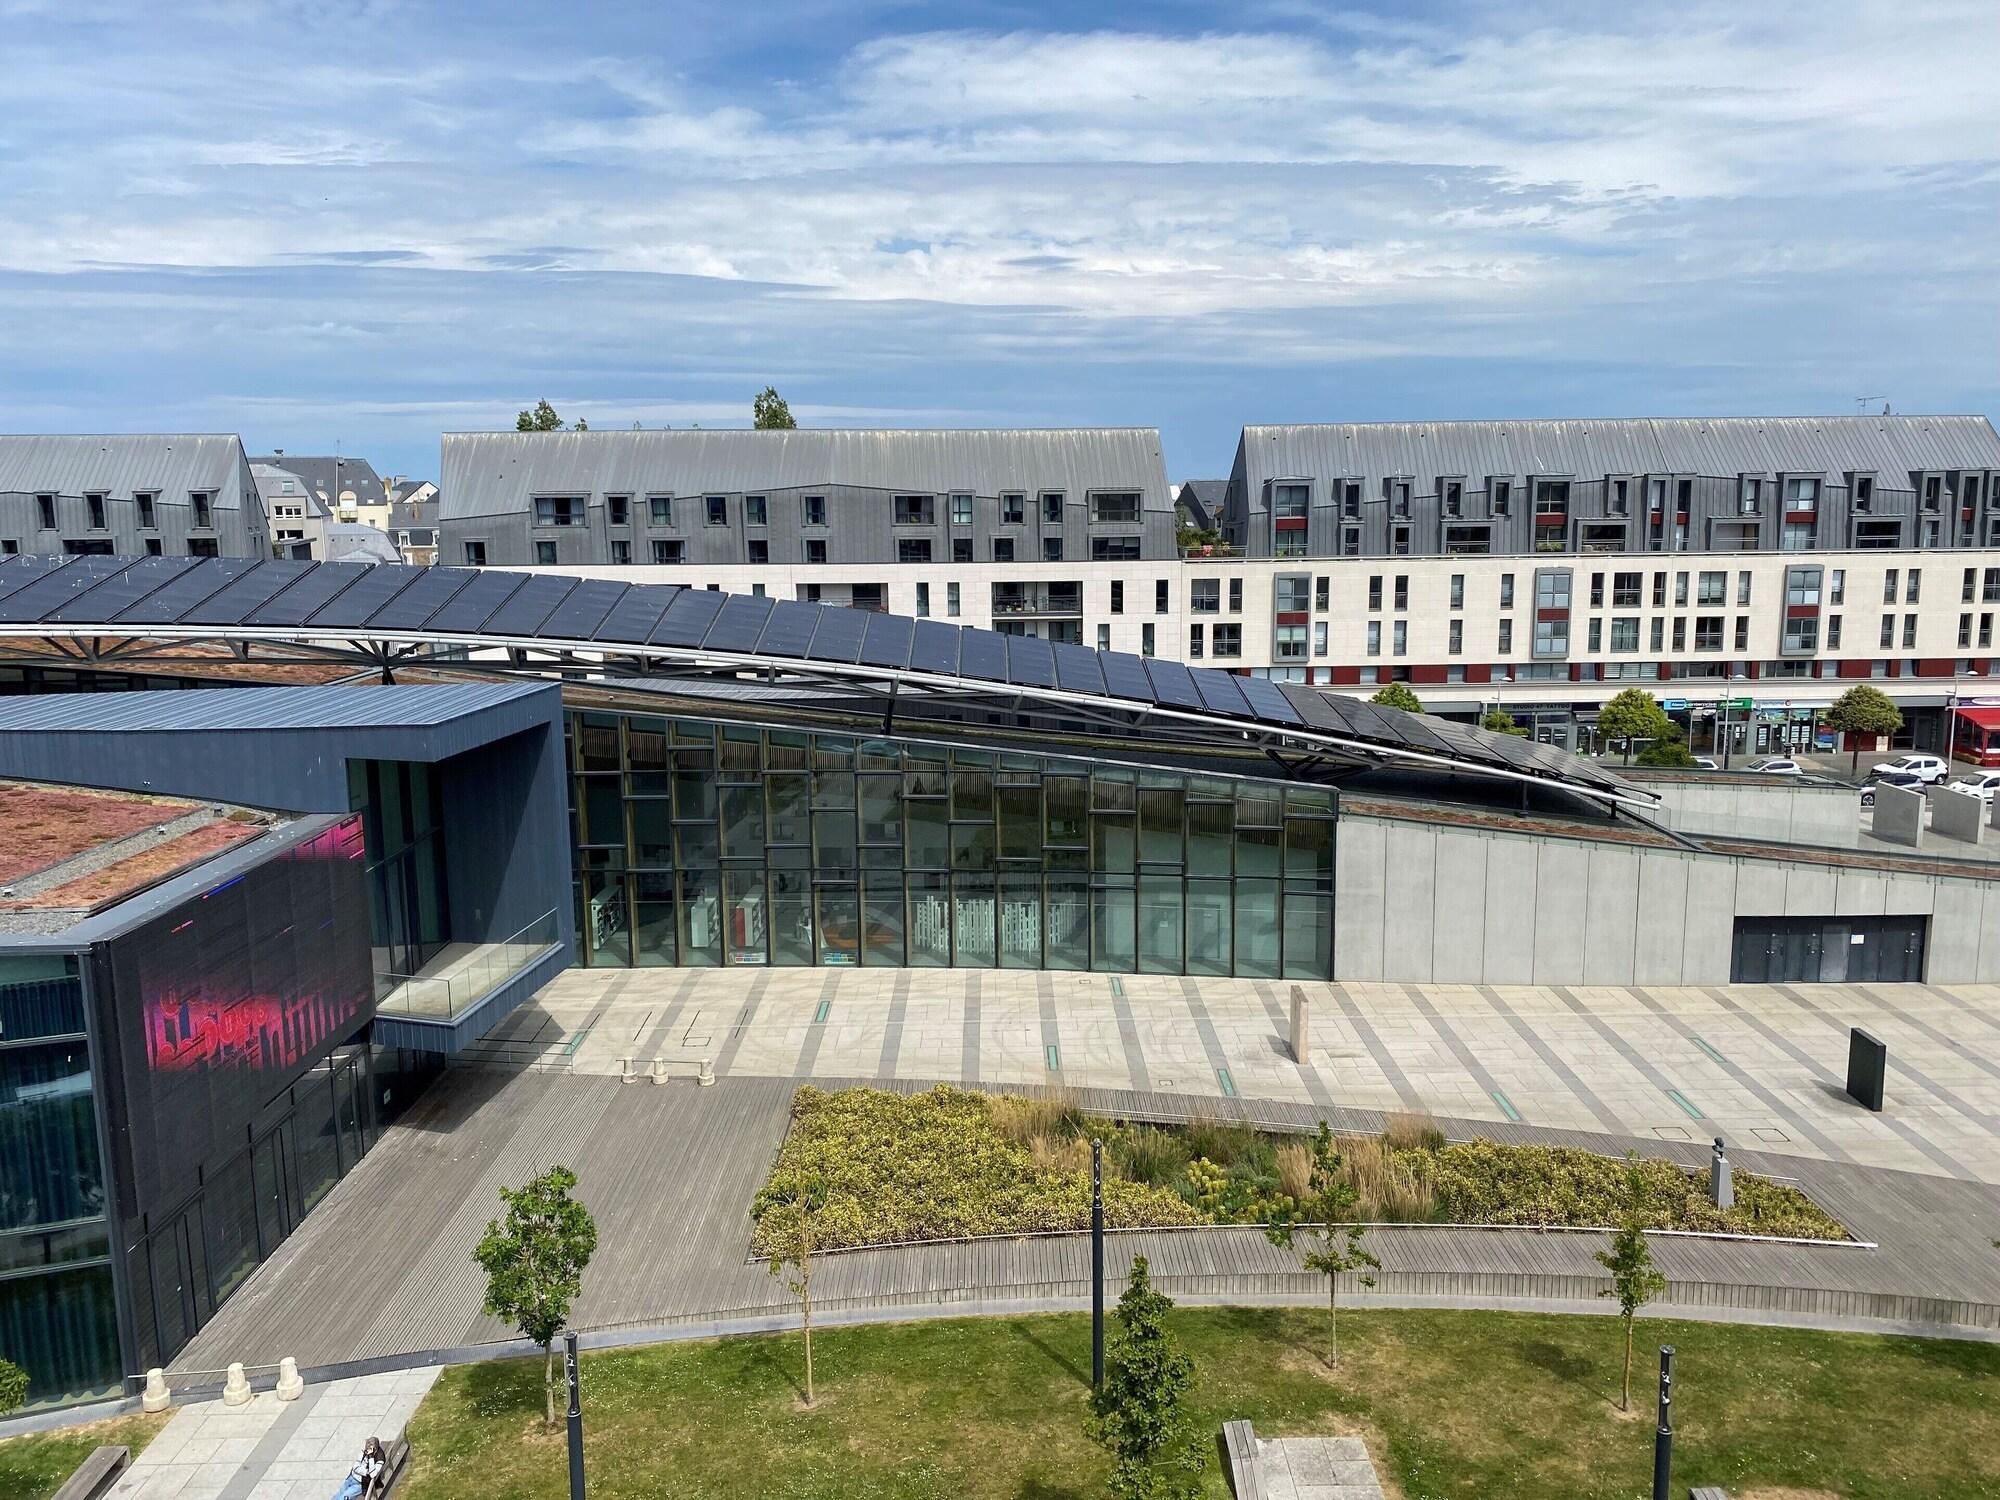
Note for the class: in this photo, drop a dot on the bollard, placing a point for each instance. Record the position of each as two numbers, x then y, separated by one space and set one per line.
1721 1178
290 1386
1867 1066
659 1070
157 1397
706 1077
236 1389
1301 1027
625 1073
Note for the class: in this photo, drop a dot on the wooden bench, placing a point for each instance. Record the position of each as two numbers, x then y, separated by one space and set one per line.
395 1459
94 1475
1240 1443
1708 1492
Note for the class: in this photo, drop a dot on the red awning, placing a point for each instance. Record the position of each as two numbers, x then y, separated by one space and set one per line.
1985 718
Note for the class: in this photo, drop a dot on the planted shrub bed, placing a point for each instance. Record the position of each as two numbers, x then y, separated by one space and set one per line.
953 1163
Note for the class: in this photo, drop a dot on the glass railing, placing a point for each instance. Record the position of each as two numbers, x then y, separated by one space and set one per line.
463 975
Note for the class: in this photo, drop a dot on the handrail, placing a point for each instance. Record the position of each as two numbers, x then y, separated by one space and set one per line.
446 995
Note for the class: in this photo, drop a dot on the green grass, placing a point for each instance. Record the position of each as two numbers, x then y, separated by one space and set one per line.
1498 1406
34 1467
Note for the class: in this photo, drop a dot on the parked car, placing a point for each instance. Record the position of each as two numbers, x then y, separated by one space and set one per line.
1882 776
1776 765
1928 769
1982 784
1707 763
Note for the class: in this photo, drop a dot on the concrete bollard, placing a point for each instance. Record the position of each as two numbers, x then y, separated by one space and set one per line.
157 1397
1301 1027
625 1073
659 1070
706 1077
236 1389
1721 1178
290 1386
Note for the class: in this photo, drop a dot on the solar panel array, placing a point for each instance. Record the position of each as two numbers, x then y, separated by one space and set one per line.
467 604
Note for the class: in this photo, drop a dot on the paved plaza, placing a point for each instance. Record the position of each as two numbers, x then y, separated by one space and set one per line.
1762 1065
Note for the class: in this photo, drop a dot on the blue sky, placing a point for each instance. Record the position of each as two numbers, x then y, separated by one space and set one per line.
316 222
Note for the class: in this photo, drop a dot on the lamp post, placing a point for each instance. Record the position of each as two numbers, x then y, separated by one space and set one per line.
1663 1439
1096 1265
575 1416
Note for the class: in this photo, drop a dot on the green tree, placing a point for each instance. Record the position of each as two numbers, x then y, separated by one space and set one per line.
1398 695
1634 1282
534 1260
13 1386
1324 1220
542 418
1863 710
1139 1414
788 1212
769 412
1499 721
1634 714
1671 752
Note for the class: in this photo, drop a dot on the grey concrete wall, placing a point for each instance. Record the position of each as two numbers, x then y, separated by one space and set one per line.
1899 815
1776 808
1957 815
1421 902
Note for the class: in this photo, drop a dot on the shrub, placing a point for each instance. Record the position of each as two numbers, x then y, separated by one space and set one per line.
1295 1168
1389 1183
1407 1131
1224 1142
1022 1117
1146 1154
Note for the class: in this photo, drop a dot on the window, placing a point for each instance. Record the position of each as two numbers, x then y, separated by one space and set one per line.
1506 590
1506 637
815 550
913 549
1401 639
1970 589
1003 549
1596 634
1319 638
1626 589
1656 498
1375 591
1989 592
951 603
1052 549
1113 549
1194 640
201 500
1399 541
1909 632
1625 633
812 510
1742 632
1742 590
618 510
961 510
558 510
755 511
915 510
1290 592
1236 596
1714 588
1750 497
1880 535
1836 591
1833 632
660 509
1933 492
1914 586
1402 591
758 549
1964 632
545 554
1399 498
1801 495
198 546
1864 493
1289 502
1052 507
1888 636
1457 591
1708 632
1118 596
1802 586
961 549
1374 637
1350 541
1551 637
1453 500
1985 631
1503 496
1618 498
1680 632
1225 640
1205 596
718 510
1322 593
1801 635
621 551
95 505
1455 638
1551 498
1162 596
1889 582
147 520
1013 508
1103 637
1289 543
1659 633
475 554
1146 639
923 601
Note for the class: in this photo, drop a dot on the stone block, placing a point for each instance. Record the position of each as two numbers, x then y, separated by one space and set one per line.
1958 815
1899 815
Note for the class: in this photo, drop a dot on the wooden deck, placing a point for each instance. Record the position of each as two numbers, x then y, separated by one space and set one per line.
384 1267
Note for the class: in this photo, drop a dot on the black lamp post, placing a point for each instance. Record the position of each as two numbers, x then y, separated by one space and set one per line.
575 1416
1663 1439
1096 1265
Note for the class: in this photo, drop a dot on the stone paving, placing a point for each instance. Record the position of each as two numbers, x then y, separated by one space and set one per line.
1316 1468
1762 1065
269 1449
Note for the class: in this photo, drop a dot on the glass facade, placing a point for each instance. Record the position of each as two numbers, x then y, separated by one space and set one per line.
58 1310
402 811
702 844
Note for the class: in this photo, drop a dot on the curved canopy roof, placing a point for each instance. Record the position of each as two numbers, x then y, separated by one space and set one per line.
390 615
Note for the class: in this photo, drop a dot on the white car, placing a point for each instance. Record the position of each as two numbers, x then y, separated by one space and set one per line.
1982 784
1707 763
1776 766
1928 769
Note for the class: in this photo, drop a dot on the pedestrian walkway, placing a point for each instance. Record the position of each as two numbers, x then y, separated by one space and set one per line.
269 1449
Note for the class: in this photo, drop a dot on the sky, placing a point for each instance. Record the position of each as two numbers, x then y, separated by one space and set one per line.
359 223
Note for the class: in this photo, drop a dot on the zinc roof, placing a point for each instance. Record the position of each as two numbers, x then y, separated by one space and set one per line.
172 463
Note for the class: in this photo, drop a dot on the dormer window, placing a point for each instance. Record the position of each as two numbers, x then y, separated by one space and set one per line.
203 518
1864 494
1933 492
1750 497
1453 499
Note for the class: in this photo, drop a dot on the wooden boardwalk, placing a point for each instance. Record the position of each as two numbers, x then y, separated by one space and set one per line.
384 1268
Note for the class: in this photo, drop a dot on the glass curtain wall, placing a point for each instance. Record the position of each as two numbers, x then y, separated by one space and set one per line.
703 844
400 804
58 1310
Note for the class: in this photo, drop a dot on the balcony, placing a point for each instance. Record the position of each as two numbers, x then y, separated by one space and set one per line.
446 992
1057 600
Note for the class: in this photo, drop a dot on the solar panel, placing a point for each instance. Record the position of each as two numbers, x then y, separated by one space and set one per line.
739 624
236 600
1267 703
1409 730
208 577
422 599
789 630
1465 743
935 648
837 636
983 655
26 606
1218 691
632 618
578 616
472 606
1030 663
529 605
124 588
358 603
1321 711
1077 670
313 591
1172 682
1125 676
18 572
688 616
887 641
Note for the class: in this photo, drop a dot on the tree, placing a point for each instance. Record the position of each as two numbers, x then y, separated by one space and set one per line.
1863 710
1671 752
542 418
534 1262
1139 1414
1499 721
1398 695
769 411
13 1386
1634 714
1634 1282
1324 1219
788 1212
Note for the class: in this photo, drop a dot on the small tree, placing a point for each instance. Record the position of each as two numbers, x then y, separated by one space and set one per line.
534 1260
789 1214
1499 721
541 417
13 1386
1139 1414
1324 1219
1398 695
769 411
1634 714
1634 1282
1863 710
1671 752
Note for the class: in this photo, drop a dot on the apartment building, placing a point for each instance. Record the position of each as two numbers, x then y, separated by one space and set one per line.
348 487
297 515
177 494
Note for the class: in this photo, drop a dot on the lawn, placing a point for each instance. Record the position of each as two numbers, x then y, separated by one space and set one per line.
1499 1406
33 1467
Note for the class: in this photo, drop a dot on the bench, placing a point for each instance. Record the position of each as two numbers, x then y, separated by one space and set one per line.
395 1459
1240 1443
1708 1492
94 1475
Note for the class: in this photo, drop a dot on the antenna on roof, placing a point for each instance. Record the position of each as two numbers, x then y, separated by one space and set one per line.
1861 402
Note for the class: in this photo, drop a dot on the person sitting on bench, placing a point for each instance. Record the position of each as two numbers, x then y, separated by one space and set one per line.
363 1478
